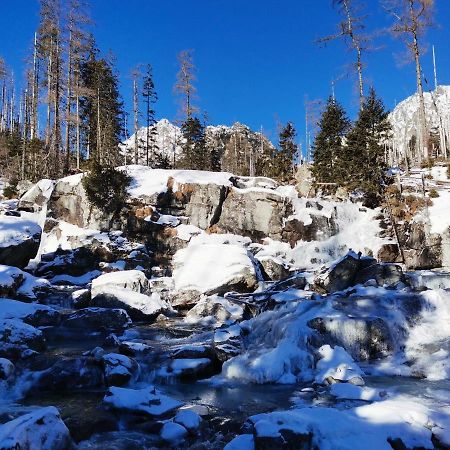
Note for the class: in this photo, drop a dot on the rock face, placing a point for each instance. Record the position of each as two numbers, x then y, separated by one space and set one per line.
254 213
41 429
19 241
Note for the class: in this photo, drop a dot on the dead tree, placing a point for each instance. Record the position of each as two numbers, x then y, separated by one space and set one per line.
184 86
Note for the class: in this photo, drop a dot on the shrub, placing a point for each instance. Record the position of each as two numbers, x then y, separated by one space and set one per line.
106 187
10 191
433 193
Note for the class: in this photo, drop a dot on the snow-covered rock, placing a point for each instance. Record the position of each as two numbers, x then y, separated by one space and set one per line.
19 240
336 365
189 419
241 442
42 429
6 369
214 310
133 280
119 369
14 281
31 313
209 268
173 432
148 400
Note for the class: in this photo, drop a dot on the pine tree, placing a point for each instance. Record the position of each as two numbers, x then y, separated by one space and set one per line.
195 155
283 158
328 143
101 110
150 97
362 165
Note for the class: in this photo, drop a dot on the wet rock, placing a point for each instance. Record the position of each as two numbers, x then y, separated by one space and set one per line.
215 310
196 351
40 429
72 373
227 342
98 319
119 369
341 274
112 341
81 298
364 338
191 369
19 241
6 369
134 348
273 269
17 336
384 274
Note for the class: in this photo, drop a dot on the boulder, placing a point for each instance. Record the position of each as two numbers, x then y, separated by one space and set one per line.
140 307
304 179
173 432
191 368
31 313
189 419
256 213
36 197
72 373
148 401
119 369
214 269
387 275
389 253
17 336
341 274
133 280
215 310
42 429
98 319
273 268
19 240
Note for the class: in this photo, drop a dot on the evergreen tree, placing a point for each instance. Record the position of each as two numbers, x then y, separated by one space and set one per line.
363 165
283 158
150 97
101 110
195 154
328 143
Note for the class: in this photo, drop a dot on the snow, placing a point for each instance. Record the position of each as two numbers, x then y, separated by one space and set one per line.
337 364
367 427
148 400
13 309
40 429
242 442
205 267
173 432
439 213
428 342
128 279
189 419
28 285
15 230
186 232
147 181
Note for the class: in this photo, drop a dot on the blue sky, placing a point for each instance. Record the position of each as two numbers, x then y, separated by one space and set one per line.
256 59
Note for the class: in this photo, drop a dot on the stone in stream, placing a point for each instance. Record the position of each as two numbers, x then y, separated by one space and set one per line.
119 369
191 369
68 374
173 432
189 419
98 319
31 313
42 429
147 401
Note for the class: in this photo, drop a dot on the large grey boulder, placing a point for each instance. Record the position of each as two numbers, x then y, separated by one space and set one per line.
42 429
254 213
19 240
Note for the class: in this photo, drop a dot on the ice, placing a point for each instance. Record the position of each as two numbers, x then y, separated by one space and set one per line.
337 364
350 391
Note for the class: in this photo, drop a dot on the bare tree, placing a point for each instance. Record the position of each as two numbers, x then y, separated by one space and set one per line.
184 86
351 29
412 19
136 77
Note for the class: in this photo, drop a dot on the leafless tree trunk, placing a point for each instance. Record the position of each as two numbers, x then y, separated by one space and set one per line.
184 86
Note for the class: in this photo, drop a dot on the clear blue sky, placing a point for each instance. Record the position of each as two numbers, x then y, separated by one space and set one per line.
256 59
